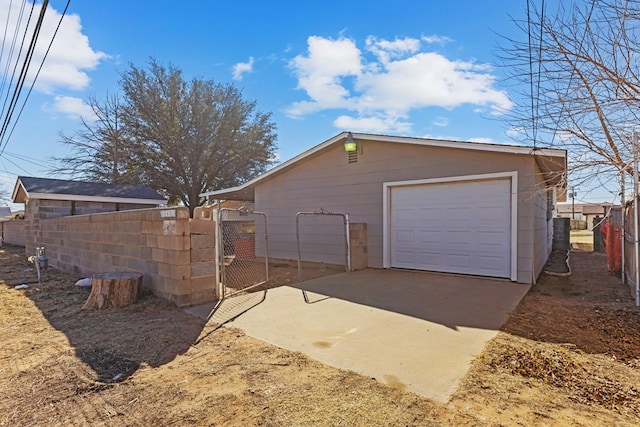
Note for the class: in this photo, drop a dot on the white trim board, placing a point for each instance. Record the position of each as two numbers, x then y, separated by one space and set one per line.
101 199
386 211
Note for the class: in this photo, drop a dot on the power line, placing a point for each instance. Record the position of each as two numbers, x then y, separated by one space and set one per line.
30 160
15 164
23 75
535 94
8 62
533 118
36 77
13 40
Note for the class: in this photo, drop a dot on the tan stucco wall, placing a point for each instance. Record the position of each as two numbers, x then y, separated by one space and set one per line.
327 181
175 254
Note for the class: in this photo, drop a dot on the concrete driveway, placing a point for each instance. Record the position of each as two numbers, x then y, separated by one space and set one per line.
412 330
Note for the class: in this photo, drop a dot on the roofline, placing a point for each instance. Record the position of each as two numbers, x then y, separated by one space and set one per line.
103 199
16 186
81 198
478 146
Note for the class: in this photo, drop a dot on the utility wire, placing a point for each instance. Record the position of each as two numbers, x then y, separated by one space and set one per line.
13 45
533 117
22 76
13 40
30 160
535 94
36 77
4 36
16 165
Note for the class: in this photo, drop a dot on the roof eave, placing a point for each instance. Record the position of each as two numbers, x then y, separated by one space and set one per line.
242 192
102 199
497 148
16 188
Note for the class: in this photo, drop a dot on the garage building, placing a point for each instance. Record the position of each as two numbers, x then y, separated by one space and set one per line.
434 205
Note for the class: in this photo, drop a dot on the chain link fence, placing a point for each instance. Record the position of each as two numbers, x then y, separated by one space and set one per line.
242 250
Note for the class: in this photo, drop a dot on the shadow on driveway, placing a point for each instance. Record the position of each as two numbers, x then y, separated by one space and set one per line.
449 300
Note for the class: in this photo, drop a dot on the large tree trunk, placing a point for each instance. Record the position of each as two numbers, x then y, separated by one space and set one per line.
114 289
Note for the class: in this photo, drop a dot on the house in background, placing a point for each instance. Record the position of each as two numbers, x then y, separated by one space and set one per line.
582 213
435 205
52 198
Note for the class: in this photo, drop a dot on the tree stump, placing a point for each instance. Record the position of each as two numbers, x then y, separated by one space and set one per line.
114 289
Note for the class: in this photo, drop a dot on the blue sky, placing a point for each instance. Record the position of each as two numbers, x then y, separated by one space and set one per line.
416 68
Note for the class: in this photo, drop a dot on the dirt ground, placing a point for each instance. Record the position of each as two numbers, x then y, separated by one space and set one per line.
569 355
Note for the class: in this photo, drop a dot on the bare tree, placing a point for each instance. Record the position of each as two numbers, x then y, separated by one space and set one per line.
580 68
193 135
102 149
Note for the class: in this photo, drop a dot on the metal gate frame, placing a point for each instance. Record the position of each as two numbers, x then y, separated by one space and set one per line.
224 259
345 220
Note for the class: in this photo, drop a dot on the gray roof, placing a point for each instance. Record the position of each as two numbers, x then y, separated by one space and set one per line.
48 186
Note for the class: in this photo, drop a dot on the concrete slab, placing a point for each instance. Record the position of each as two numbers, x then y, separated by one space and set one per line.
411 330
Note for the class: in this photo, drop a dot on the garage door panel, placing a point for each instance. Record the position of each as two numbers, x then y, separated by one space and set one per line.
430 260
458 261
461 213
491 214
406 215
430 215
405 236
430 238
462 237
461 227
405 258
492 238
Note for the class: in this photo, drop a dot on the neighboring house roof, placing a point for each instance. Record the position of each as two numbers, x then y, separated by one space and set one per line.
59 189
552 162
583 208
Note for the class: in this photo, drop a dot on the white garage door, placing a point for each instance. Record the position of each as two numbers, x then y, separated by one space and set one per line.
457 227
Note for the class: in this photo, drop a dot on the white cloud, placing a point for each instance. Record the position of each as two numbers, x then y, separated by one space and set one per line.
398 79
242 68
483 140
431 80
73 107
372 124
436 39
320 74
441 122
70 55
514 132
386 50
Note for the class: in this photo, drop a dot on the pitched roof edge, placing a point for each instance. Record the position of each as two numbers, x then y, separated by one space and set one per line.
479 146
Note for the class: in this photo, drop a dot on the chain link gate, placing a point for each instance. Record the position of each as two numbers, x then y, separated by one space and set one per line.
242 250
322 240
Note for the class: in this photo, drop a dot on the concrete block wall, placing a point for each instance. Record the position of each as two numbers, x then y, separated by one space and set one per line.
48 208
85 208
358 245
13 232
175 254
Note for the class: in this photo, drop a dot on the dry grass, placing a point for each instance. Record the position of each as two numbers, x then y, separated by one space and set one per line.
569 355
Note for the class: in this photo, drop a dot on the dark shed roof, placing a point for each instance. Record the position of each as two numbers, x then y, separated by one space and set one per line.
41 188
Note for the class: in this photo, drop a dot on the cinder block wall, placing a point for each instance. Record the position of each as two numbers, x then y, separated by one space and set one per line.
358 244
13 232
174 254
